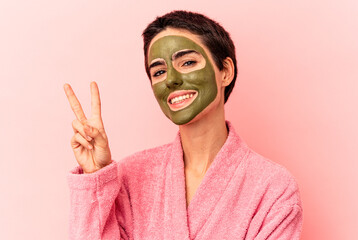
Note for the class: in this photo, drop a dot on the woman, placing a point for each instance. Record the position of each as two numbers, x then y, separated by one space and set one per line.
207 184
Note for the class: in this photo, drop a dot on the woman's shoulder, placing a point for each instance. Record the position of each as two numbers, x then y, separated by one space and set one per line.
271 175
263 165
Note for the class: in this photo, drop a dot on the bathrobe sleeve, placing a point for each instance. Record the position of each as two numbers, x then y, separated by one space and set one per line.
284 223
284 219
99 207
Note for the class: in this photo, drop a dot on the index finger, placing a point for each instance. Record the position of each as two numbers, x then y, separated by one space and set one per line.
75 104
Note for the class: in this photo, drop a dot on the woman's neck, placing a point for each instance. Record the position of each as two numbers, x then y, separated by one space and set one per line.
202 140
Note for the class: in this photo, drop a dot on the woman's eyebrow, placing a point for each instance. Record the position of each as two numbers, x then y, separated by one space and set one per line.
182 53
156 63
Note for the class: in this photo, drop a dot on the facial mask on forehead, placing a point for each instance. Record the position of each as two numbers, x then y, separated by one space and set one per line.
200 80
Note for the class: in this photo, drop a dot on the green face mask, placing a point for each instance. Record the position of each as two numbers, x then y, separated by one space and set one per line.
201 80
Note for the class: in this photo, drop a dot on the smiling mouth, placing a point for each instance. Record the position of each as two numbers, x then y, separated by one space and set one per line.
181 99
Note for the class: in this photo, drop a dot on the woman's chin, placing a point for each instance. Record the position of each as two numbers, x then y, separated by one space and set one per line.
182 121
187 119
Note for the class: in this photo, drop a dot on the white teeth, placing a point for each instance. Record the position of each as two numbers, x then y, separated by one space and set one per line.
181 98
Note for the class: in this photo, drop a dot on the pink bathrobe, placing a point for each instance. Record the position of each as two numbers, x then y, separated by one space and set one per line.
242 196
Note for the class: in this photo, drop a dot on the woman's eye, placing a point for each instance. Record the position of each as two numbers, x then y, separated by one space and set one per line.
188 63
156 74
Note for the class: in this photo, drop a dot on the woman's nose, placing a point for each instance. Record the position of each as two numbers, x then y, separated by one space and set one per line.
174 79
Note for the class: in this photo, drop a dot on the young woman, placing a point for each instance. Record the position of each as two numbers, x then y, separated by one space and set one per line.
207 184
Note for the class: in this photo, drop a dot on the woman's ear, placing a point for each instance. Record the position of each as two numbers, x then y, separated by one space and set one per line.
228 71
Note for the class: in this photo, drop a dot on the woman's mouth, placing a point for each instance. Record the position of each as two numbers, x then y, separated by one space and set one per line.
181 99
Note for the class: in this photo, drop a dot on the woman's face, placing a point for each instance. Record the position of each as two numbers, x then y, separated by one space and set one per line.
182 75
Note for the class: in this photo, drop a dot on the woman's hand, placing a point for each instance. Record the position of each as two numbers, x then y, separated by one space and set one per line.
89 143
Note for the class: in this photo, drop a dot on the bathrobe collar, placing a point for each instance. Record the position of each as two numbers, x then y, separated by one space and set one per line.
192 219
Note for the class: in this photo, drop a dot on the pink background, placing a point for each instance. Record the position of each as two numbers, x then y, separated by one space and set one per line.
295 101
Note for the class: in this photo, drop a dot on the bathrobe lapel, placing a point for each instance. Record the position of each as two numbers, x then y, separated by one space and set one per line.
177 199
211 188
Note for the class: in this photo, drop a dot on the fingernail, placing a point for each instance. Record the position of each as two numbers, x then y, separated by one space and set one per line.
89 138
90 146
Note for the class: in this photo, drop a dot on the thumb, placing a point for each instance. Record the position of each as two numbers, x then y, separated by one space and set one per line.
98 135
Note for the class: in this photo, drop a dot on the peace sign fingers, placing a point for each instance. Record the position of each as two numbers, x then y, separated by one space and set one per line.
75 104
90 142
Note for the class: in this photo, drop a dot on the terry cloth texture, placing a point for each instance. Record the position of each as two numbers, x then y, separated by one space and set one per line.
242 196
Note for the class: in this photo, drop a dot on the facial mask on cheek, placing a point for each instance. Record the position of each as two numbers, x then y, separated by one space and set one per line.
202 80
